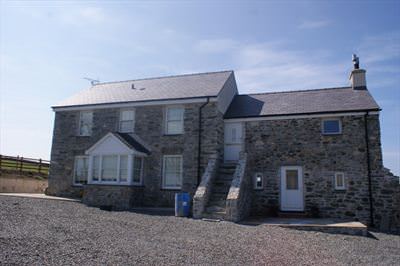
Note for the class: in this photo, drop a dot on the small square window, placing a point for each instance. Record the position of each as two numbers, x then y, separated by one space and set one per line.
258 181
340 181
331 126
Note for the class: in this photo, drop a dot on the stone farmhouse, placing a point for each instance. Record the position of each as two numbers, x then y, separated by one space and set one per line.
312 152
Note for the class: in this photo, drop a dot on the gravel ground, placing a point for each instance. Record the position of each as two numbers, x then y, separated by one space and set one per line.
35 231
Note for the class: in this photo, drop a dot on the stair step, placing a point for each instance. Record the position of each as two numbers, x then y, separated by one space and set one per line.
213 209
226 183
218 197
228 165
218 202
226 171
221 190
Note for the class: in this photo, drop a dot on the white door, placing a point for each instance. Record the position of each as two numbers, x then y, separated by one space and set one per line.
292 198
233 139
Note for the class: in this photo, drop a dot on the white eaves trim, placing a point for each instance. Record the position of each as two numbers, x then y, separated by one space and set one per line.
132 104
284 117
110 135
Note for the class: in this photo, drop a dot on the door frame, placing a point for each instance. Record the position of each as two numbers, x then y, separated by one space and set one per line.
301 186
242 140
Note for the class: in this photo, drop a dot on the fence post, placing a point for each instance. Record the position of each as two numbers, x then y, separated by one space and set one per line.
40 166
20 165
0 165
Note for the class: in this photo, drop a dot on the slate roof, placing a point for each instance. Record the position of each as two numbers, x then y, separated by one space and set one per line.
301 102
150 89
131 142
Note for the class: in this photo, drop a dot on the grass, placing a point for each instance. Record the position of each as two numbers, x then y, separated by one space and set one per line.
31 167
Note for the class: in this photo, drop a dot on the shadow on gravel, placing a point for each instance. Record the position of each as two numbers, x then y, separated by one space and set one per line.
335 231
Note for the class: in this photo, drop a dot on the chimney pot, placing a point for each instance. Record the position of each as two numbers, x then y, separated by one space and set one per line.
357 76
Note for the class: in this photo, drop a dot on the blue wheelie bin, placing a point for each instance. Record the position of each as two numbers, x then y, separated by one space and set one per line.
182 204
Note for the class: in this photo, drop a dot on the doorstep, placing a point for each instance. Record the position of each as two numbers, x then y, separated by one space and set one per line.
334 226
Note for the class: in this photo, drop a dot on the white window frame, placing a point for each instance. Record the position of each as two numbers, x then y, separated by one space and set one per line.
140 183
79 123
133 121
167 108
100 181
258 174
331 119
75 166
163 171
337 187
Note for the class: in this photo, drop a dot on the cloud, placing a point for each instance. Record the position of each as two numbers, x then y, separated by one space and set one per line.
84 15
380 48
313 24
214 45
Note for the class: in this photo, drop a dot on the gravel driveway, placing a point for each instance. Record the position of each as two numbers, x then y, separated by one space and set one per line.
34 231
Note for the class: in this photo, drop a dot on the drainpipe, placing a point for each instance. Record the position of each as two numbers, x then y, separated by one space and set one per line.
199 143
371 207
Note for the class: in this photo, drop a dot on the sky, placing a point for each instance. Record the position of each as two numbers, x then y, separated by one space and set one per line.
47 48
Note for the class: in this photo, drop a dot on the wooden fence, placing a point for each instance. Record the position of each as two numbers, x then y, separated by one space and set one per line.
24 165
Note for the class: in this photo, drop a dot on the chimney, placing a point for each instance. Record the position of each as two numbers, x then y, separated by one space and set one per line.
357 75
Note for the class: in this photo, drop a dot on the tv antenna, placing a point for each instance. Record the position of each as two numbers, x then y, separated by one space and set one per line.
93 81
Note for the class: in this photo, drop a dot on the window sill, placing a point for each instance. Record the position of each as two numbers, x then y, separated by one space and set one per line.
340 189
331 134
171 189
177 134
258 188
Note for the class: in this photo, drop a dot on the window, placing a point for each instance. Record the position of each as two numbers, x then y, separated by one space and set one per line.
174 120
109 168
85 123
115 169
339 181
331 126
258 181
127 121
172 172
123 168
137 170
292 180
96 168
80 170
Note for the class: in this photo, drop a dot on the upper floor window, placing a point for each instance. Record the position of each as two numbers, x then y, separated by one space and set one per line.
81 170
85 123
340 181
174 120
172 171
331 126
127 121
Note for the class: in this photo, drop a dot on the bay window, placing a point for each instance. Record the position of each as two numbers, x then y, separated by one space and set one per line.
116 169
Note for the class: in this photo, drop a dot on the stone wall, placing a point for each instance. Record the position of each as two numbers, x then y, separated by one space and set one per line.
149 126
203 191
273 144
15 183
238 201
119 197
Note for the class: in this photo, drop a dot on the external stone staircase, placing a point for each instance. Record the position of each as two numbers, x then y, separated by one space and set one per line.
216 205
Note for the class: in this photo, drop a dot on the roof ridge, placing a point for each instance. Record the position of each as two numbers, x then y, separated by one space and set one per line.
162 77
292 91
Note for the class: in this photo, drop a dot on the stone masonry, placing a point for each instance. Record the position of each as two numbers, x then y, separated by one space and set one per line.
149 127
276 143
